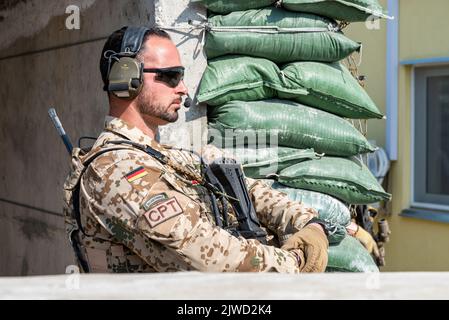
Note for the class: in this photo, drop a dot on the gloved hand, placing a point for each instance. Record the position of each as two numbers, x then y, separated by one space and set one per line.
368 242
335 232
311 246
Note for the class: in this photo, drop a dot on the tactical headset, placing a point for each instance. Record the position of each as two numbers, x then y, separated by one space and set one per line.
125 76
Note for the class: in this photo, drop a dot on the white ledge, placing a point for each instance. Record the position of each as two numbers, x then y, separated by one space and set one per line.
217 286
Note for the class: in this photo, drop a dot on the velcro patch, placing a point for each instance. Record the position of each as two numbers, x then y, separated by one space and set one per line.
136 174
153 200
163 211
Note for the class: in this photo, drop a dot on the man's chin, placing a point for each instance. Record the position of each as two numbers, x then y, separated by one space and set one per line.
174 119
170 118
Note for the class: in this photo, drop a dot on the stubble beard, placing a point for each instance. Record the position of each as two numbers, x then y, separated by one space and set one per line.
155 109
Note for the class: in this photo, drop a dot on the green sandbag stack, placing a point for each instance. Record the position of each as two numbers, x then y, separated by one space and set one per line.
279 99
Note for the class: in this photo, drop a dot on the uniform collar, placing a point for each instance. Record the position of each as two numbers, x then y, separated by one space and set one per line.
130 132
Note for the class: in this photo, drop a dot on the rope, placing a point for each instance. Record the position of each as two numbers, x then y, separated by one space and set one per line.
271 29
343 24
256 29
354 70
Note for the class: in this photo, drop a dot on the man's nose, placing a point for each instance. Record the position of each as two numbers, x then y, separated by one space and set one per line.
181 88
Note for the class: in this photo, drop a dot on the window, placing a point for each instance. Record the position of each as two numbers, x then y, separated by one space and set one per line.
431 137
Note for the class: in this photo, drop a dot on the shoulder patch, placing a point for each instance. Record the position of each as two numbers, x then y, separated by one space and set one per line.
163 211
153 200
136 174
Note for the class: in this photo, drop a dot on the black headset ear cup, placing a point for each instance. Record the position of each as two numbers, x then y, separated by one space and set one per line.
125 78
135 83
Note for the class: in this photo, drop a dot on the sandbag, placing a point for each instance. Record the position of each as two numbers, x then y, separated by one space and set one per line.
283 123
350 256
327 86
223 7
331 87
265 161
329 208
278 35
346 10
243 78
346 179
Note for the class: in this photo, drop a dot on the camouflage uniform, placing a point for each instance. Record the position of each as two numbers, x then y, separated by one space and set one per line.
142 216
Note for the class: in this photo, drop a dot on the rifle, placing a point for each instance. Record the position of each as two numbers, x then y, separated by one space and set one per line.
57 123
231 177
73 234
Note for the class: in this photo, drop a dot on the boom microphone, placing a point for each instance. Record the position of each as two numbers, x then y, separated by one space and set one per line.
188 101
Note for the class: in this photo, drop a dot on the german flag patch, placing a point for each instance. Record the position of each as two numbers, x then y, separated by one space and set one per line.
136 174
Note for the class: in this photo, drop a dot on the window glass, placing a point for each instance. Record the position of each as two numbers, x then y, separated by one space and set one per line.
431 136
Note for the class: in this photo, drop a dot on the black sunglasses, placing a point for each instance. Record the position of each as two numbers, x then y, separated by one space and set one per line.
172 76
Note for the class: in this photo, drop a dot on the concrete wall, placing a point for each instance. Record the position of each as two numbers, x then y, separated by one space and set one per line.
43 64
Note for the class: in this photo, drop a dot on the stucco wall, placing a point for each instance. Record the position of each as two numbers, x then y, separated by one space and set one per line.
417 244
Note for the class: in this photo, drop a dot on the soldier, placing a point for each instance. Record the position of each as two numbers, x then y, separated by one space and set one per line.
143 206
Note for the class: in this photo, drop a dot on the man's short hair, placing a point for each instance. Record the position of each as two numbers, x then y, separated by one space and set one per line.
114 43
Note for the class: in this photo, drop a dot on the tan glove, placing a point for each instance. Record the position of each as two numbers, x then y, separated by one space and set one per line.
311 244
368 242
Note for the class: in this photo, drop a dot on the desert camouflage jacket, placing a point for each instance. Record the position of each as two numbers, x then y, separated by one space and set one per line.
140 215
